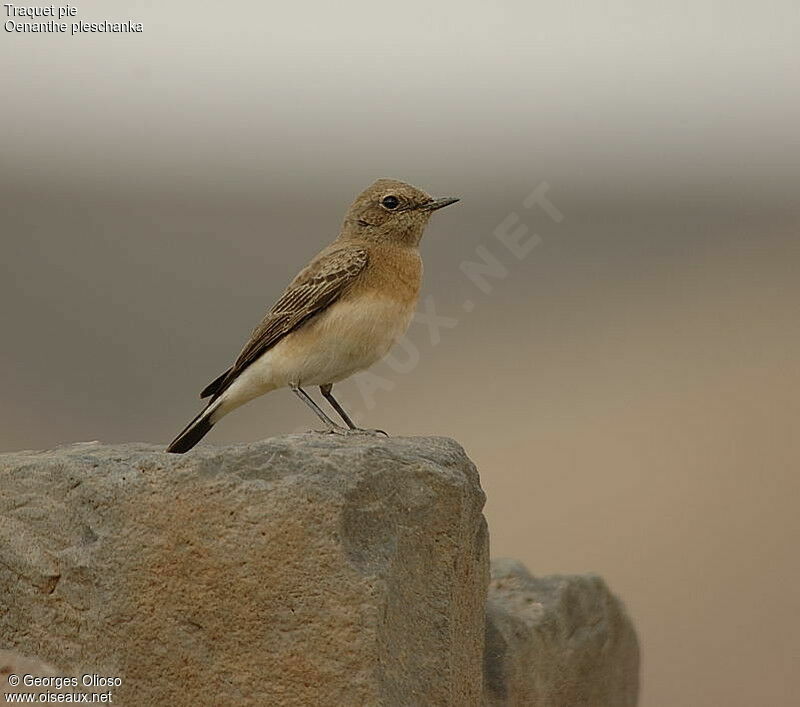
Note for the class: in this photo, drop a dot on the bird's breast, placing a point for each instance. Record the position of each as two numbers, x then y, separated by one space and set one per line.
347 337
356 330
365 327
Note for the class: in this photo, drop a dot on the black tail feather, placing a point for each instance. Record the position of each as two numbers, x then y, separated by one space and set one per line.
216 386
192 434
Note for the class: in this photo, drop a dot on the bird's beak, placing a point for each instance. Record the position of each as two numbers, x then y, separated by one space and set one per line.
438 203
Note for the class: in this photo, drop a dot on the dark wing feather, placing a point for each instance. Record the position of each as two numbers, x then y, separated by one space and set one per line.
314 289
214 386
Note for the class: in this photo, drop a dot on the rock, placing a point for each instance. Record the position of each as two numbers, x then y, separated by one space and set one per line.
557 641
302 570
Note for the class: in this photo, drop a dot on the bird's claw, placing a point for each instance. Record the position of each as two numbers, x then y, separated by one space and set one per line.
366 431
345 431
373 432
330 431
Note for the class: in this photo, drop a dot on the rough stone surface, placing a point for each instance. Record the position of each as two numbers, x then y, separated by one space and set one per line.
300 570
557 641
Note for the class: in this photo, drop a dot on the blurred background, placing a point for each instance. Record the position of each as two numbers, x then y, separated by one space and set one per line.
628 388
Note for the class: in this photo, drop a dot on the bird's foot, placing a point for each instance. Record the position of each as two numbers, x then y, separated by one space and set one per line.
364 431
337 430
345 431
368 431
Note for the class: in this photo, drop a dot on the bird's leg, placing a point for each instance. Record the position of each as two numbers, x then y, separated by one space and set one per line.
326 391
308 400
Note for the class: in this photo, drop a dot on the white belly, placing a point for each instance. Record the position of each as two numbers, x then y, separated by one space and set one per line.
346 338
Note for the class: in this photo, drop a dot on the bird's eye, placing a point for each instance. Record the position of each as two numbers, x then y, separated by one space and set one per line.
390 202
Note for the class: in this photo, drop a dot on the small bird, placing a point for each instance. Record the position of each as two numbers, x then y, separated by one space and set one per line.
342 313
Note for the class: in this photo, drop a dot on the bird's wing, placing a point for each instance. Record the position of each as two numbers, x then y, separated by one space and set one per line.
320 284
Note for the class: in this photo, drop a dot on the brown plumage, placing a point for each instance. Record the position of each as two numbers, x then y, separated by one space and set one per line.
339 315
313 289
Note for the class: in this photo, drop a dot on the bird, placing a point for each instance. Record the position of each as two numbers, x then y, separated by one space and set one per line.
341 313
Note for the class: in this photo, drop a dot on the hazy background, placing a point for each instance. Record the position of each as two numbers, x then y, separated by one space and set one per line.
629 390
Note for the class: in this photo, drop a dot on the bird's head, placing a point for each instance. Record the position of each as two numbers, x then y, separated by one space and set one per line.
391 211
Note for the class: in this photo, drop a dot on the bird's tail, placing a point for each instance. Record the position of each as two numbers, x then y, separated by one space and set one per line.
195 430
